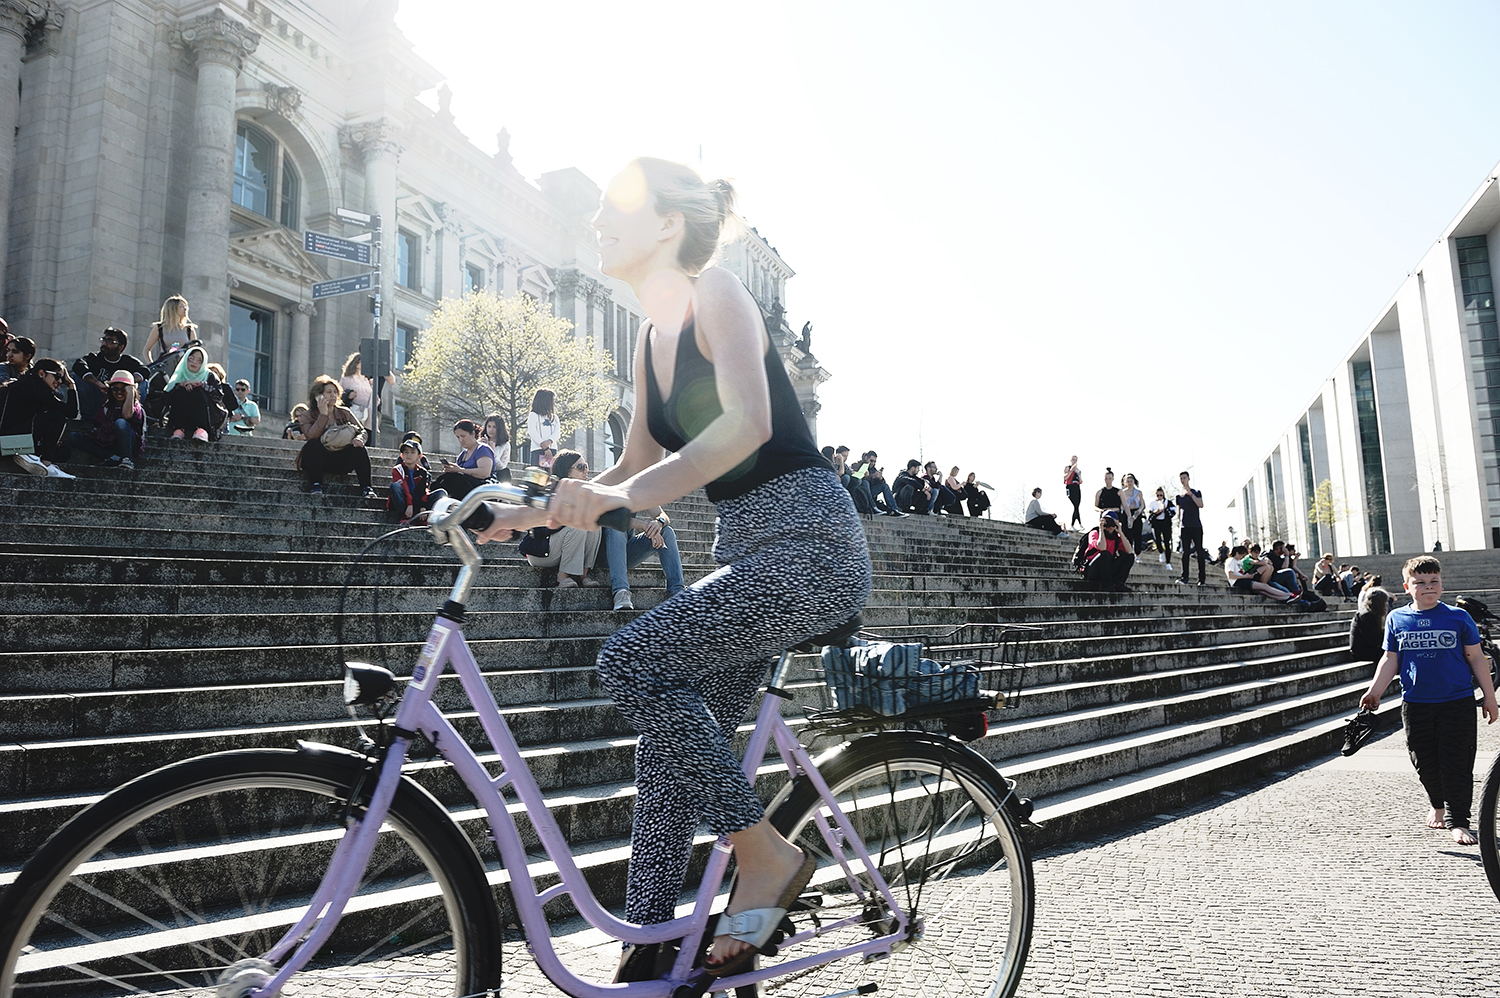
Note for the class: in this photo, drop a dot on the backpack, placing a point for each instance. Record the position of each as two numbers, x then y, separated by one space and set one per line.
536 542
1309 602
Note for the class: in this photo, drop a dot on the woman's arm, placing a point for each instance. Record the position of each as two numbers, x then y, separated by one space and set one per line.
732 328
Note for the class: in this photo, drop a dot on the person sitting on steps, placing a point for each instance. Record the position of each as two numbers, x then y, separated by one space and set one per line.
31 404
650 532
1243 579
410 481
94 371
1037 520
314 459
570 550
474 465
189 397
913 494
1104 555
119 433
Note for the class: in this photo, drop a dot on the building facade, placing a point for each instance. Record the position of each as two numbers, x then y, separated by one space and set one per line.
1401 437
155 148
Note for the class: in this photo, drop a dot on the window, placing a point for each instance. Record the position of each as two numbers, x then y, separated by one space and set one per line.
258 161
408 260
254 166
252 335
406 337
291 190
1477 286
1304 442
474 278
1369 448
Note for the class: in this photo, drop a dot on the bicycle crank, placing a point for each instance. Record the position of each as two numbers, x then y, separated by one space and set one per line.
242 977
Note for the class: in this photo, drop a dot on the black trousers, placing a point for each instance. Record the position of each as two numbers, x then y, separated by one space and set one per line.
187 409
318 461
456 483
1075 496
1441 739
1110 570
1192 541
1162 531
1046 522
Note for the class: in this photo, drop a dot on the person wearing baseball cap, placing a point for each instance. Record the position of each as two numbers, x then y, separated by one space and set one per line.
119 433
1104 555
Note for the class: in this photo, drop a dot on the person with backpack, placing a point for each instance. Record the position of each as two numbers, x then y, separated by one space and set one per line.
1104 555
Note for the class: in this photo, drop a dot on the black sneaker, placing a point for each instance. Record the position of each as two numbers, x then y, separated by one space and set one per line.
1358 730
315 490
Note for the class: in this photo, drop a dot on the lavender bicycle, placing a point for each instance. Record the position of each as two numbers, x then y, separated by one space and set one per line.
318 870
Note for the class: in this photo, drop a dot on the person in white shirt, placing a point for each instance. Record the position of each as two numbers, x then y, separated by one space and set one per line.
1037 520
1244 582
541 426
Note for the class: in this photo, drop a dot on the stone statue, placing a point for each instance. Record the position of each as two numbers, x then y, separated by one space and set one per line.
804 342
778 316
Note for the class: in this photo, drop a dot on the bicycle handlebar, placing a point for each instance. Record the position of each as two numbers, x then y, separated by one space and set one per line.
472 513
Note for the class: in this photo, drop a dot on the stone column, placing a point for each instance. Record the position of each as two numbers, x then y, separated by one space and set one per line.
378 145
17 19
451 277
299 361
219 44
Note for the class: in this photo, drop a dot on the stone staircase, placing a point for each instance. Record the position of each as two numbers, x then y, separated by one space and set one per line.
191 607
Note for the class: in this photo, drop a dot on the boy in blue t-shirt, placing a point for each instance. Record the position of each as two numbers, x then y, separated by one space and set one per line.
1435 649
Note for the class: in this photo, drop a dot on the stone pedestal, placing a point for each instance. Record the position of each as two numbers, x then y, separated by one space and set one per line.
219 44
17 18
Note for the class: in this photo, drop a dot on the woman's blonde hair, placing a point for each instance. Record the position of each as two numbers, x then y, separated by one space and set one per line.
351 365
174 314
707 209
315 391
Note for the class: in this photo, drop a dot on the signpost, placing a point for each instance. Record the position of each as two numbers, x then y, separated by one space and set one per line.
362 249
343 285
343 249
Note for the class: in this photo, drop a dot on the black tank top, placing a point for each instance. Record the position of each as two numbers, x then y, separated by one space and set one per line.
695 403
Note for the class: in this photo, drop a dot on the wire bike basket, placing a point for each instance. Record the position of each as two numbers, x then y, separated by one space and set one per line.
950 678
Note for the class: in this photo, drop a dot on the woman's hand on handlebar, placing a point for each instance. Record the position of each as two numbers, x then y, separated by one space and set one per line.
578 503
509 519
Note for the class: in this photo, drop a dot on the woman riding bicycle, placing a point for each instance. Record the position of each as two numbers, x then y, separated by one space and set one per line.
719 412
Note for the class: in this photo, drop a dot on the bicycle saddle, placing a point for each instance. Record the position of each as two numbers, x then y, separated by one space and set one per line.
839 636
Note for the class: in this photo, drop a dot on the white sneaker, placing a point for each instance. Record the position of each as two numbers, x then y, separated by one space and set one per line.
1161 559
53 471
30 463
623 600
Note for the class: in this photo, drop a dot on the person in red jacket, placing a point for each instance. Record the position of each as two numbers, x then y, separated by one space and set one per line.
410 484
1104 554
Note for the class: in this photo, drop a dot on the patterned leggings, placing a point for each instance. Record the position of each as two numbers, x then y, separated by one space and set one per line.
795 564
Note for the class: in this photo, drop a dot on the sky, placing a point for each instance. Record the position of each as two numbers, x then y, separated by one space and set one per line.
1142 233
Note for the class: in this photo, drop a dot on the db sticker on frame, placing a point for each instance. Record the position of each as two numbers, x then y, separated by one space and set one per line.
423 675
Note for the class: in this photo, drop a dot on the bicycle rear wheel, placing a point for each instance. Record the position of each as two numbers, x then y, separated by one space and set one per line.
932 815
173 877
1489 827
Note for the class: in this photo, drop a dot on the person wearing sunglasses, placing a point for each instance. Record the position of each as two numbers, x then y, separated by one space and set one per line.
18 353
570 550
94 371
246 415
40 403
119 433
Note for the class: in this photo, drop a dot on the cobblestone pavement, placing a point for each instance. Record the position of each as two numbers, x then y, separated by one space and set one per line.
1322 881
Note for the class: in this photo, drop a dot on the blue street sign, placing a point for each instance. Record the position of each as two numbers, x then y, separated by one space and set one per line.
343 286
344 249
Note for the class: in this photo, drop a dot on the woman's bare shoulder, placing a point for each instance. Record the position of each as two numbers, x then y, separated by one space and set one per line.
720 286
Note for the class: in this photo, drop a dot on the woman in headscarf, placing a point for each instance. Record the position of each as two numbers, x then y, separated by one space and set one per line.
190 396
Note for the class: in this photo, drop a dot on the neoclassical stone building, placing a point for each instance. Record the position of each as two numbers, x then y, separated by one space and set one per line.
150 148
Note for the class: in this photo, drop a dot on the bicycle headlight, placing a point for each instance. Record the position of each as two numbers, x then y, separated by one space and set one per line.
366 684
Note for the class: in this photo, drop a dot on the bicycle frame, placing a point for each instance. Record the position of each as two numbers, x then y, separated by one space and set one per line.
447 648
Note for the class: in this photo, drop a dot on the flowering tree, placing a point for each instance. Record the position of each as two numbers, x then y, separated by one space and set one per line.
487 353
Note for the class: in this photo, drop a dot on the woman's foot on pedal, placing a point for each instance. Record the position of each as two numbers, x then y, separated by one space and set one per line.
756 907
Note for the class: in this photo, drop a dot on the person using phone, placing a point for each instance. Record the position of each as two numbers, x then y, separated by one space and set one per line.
1104 554
119 433
475 464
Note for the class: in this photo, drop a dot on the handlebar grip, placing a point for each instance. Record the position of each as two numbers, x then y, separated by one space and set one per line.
481 518
617 519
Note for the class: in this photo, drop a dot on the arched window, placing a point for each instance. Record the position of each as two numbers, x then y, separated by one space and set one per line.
291 193
265 181
614 436
254 168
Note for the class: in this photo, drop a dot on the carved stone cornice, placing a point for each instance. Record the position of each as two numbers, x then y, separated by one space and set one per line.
293 308
217 38
370 139
567 282
595 292
27 18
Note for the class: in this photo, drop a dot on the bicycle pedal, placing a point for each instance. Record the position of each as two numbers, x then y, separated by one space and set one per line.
806 902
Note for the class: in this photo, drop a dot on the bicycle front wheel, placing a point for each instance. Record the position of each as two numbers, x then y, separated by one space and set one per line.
932 815
1489 827
165 882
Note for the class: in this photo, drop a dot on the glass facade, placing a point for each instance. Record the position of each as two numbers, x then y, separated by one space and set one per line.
1252 528
252 334
1369 450
1309 488
1483 335
1274 523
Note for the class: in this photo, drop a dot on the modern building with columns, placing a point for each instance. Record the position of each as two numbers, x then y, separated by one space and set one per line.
1404 429
155 147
